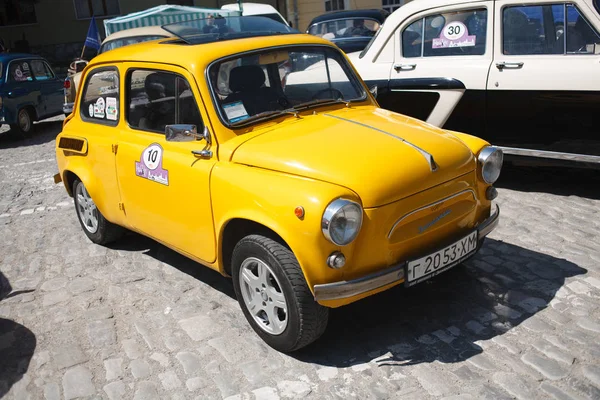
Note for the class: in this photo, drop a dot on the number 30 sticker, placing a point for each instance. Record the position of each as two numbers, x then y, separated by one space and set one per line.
454 30
150 165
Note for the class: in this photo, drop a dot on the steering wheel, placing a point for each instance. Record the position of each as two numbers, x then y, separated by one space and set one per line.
330 90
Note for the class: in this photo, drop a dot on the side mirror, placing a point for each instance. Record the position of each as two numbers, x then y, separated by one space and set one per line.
185 133
373 90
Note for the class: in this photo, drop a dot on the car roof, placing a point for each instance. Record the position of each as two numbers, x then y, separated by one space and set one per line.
250 8
143 31
377 14
6 57
197 56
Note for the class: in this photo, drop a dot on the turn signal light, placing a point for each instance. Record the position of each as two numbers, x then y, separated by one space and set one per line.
67 84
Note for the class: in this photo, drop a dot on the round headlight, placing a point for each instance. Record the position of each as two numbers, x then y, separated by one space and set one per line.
490 159
341 221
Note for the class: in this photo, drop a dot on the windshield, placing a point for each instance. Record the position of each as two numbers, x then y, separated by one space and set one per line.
218 28
116 43
274 17
270 82
345 28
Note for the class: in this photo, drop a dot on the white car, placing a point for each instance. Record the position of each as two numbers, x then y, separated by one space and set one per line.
524 75
257 10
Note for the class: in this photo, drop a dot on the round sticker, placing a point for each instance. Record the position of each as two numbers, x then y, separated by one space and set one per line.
455 30
100 104
152 156
91 110
18 73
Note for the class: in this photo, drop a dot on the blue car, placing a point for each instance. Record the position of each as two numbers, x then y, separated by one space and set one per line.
29 91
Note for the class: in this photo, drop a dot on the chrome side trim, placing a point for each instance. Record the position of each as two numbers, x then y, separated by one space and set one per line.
550 154
489 224
427 206
345 289
428 157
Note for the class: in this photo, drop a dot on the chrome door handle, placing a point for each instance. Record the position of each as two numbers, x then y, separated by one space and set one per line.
400 67
501 65
202 153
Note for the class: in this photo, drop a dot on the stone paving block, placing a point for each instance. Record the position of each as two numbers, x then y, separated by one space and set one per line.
113 368
169 380
68 356
514 385
293 389
115 390
200 327
430 381
549 368
553 352
77 382
592 373
146 391
558 394
51 391
140 369
266 393
132 349
536 324
102 333
327 373
589 325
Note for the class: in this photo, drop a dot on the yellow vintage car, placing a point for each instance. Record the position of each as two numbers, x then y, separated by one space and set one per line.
304 191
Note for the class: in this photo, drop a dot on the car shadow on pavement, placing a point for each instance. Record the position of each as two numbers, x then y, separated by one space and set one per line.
43 132
135 242
560 181
442 319
17 344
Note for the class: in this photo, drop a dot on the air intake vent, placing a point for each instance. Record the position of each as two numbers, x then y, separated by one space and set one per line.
70 144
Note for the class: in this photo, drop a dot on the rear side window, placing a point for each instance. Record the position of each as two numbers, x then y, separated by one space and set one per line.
460 33
547 29
19 71
156 99
41 70
100 100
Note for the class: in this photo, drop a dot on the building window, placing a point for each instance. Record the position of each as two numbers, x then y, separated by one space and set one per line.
335 5
17 12
392 5
97 8
181 2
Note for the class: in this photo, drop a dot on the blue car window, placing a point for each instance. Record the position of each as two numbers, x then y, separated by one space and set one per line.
19 71
41 71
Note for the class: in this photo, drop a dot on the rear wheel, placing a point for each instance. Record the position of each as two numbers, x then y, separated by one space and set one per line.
24 124
274 295
94 225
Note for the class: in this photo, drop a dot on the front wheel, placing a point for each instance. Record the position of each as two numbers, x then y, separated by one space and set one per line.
274 295
97 228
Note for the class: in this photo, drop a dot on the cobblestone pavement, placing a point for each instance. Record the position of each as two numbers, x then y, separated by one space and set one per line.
136 320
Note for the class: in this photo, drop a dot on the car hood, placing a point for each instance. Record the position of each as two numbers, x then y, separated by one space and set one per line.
363 150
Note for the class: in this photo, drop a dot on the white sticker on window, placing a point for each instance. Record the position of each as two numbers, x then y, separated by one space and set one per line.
99 108
111 108
455 34
91 110
235 111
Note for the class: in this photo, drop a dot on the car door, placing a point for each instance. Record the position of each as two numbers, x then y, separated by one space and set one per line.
164 185
21 89
543 89
441 62
51 88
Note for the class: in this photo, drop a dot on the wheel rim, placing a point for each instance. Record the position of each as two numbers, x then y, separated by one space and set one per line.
24 121
263 296
86 209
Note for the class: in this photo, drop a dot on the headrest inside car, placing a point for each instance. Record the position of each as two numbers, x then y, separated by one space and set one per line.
246 78
159 85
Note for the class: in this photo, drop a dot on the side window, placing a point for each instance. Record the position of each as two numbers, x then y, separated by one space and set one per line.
41 70
100 100
156 99
542 30
460 33
19 71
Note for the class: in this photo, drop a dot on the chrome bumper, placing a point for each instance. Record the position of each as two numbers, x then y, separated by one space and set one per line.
68 108
393 274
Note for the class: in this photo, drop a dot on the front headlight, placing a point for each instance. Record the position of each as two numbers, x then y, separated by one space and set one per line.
341 221
490 159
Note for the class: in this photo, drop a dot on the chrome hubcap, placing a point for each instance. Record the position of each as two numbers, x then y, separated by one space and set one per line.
263 296
24 121
86 209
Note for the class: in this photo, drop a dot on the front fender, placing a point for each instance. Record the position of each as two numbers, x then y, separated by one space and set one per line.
269 198
474 143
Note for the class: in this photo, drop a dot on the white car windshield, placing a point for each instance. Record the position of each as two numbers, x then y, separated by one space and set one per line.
264 84
116 43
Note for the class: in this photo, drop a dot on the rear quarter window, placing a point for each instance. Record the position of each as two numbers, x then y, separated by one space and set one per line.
100 99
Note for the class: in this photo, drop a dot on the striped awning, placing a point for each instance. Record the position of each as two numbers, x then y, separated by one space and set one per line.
161 15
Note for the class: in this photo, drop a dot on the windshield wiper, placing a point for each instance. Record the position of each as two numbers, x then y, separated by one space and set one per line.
264 116
308 104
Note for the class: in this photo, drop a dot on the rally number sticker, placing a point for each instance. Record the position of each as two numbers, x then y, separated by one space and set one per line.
150 165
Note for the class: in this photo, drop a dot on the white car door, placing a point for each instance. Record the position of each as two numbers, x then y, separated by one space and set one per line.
442 58
543 88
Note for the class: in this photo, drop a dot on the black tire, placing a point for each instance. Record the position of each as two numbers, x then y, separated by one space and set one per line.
106 232
24 124
306 319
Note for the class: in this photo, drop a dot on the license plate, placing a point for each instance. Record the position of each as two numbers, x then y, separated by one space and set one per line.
425 267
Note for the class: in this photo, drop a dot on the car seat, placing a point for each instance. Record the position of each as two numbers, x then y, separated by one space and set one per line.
160 111
246 83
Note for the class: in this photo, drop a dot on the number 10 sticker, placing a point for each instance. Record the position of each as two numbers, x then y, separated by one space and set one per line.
150 165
